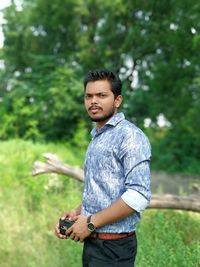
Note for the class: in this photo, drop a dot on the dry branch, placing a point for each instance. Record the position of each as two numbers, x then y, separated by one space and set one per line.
54 165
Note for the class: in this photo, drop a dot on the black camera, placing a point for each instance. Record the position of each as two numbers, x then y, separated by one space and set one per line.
64 225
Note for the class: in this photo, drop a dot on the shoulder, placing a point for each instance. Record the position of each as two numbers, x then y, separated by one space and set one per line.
130 130
133 138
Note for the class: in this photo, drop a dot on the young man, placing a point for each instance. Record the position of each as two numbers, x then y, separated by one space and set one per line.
117 179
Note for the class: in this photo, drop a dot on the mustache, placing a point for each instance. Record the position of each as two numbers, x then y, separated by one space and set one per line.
94 106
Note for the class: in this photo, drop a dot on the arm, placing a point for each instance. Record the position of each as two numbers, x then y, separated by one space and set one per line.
116 211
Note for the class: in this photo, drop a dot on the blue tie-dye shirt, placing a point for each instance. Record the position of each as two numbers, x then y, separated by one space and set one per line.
117 165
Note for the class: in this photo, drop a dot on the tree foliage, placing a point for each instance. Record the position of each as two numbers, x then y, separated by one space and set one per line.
154 45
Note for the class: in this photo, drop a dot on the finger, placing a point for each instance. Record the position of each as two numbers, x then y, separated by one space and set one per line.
57 227
69 231
61 236
75 218
58 234
64 216
76 238
57 231
72 236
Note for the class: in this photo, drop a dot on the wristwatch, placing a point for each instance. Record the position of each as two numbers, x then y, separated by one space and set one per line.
91 227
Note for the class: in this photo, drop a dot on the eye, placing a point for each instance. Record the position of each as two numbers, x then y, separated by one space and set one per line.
87 96
102 95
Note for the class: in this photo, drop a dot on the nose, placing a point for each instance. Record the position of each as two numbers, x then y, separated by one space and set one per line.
94 100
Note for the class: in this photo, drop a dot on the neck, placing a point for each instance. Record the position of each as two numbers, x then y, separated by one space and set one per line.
100 124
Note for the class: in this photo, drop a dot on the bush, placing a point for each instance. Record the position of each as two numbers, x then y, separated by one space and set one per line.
30 208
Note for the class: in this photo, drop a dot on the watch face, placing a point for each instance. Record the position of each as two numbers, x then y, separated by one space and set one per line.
91 227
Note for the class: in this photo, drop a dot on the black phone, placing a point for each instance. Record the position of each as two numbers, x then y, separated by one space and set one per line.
64 225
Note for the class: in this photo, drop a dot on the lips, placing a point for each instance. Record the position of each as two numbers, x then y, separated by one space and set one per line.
94 109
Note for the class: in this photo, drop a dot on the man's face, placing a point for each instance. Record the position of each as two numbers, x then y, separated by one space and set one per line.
100 102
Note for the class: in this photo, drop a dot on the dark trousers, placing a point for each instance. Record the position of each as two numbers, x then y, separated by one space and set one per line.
110 253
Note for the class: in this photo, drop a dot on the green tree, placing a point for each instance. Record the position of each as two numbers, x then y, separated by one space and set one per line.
153 45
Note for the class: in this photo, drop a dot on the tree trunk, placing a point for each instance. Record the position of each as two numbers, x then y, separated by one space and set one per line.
54 165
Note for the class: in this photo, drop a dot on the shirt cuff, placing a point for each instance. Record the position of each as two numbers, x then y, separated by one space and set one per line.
135 200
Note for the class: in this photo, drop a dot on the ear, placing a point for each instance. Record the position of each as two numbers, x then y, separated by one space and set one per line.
118 101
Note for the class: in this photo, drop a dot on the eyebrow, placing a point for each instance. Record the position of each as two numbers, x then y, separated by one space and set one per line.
99 93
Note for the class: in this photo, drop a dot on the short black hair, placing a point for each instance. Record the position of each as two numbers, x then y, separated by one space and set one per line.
103 74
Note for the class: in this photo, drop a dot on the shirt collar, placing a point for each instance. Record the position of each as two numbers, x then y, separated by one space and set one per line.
113 121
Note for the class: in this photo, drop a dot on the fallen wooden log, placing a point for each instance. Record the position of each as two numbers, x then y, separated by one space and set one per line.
168 201
54 165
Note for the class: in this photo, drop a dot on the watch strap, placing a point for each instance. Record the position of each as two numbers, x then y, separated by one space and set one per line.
89 219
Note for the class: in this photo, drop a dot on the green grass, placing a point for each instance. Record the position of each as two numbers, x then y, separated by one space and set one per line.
30 207
169 239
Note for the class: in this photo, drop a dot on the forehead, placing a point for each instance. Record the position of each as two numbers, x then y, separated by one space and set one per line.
98 86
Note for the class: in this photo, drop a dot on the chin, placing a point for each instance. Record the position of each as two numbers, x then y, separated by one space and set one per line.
95 119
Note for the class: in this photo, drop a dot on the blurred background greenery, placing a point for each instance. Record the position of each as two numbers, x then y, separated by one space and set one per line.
48 48
153 45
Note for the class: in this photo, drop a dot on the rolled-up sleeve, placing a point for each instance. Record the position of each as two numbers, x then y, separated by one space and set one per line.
138 195
136 155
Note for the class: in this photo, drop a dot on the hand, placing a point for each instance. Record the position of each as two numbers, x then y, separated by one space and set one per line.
57 232
69 215
78 231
